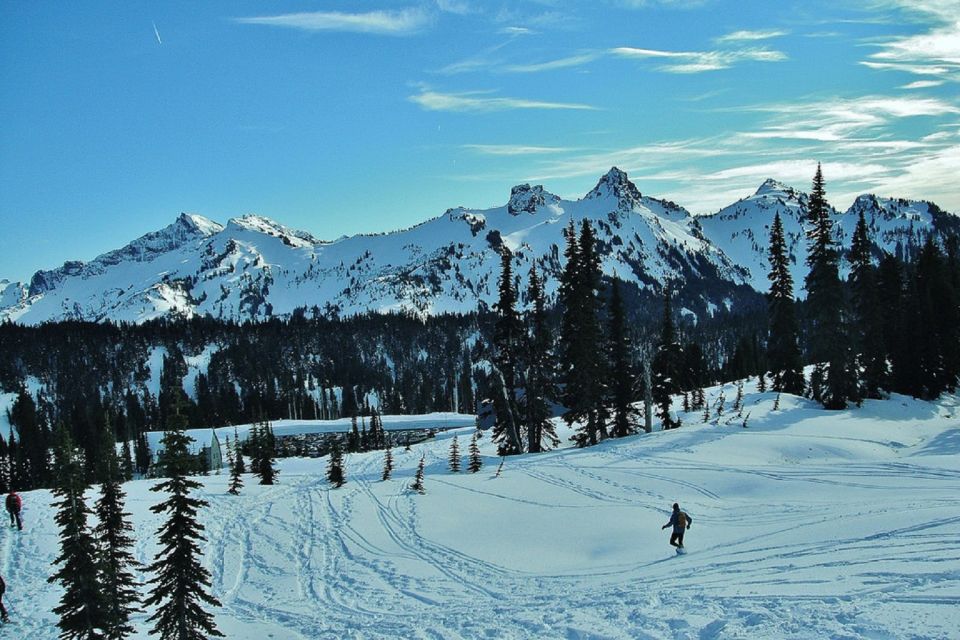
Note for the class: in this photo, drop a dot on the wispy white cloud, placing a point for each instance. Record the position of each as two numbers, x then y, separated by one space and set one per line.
933 52
923 84
513 149
700 61
482 101
459 7
561 63
394 23
842 119
751 36
516 31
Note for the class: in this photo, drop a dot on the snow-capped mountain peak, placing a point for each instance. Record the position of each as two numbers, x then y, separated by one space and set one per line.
774 188
616 184
254 268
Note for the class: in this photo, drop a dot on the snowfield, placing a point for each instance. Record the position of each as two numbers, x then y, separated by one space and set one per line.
806 524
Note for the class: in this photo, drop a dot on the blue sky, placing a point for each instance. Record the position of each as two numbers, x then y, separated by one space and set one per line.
346 117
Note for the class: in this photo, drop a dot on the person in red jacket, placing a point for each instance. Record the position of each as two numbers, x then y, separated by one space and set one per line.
13 508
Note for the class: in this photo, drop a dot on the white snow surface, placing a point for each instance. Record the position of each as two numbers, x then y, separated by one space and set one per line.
807 524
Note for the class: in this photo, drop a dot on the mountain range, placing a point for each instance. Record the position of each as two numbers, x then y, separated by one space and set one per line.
254 268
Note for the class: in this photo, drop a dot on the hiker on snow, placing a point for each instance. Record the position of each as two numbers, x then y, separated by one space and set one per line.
13 508
3 609
681 522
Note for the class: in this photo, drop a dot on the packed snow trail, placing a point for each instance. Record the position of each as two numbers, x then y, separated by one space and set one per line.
806 524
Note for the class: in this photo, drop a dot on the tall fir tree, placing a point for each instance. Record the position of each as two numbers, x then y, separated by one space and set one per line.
539 371
475 462
783 350
115 560
506 346
581 362
620 358
266 468
832 382
666 366
335 472
81 609
866 327
180 582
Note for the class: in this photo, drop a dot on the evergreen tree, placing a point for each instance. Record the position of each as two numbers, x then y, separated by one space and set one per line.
180 582
454 459
476 462
238 452
81 608
506 343
581 355
236 460
936 331
115 560
619 349
866 325
783 352
387 464
265 466
126 464
539 371
335 472
666 366
832 382
418 478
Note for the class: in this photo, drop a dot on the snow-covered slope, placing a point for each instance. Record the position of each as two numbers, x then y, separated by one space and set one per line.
807 524
254 268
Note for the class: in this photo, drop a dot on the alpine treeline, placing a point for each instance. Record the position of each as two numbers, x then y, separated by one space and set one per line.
870 323
893 326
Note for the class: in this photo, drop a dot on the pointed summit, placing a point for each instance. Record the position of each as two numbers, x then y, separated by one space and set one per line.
773 187
615 183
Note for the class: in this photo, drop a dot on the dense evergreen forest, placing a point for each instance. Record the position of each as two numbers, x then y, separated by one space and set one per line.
892 325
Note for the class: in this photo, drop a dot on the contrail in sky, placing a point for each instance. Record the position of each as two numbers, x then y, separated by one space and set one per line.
157 32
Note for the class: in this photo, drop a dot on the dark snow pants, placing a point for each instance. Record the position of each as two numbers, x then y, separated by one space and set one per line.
15 520
677 538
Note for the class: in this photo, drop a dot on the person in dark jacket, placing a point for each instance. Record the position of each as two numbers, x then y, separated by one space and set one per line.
3 609
13 508
680 522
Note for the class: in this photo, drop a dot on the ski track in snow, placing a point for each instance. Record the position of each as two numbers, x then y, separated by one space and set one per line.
848 546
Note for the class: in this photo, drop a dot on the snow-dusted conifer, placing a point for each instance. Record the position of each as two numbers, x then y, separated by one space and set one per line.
387 464
236 459
180 581
81 607
454 460
476 462
418 478
119 587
